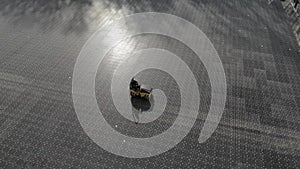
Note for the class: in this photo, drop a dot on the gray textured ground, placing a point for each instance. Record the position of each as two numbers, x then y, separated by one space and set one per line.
39 44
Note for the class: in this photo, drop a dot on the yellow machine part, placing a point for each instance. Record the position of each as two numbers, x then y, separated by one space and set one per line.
144 94
138 93
135 93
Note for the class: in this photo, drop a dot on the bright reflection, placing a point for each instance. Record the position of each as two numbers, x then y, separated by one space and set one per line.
99 15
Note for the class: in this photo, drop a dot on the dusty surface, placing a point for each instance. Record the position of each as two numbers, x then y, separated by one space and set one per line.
39 44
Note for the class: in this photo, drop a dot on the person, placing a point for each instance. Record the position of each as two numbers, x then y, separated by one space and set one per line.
134 84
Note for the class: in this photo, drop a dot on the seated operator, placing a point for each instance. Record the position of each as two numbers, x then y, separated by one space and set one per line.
134 84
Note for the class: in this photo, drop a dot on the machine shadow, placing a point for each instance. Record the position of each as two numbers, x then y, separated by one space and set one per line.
139 105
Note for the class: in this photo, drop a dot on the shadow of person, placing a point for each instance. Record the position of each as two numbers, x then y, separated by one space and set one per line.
139 105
